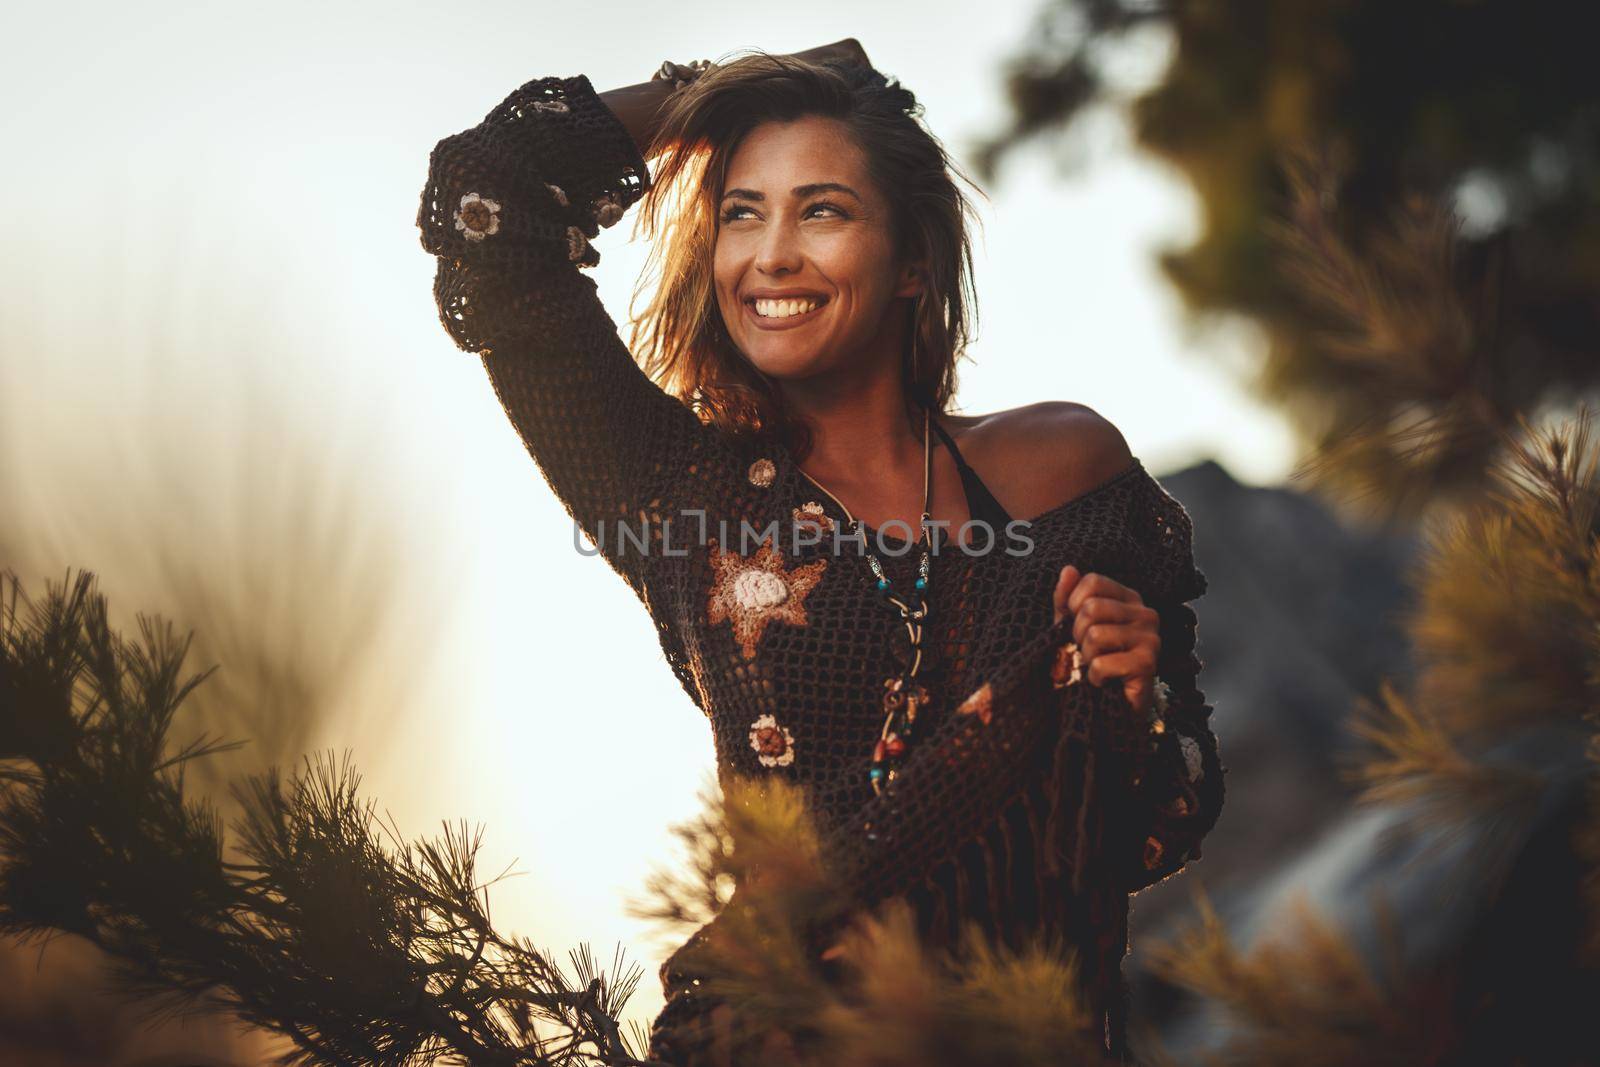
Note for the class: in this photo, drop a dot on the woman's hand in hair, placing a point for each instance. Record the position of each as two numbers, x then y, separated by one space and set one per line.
848 49
639 107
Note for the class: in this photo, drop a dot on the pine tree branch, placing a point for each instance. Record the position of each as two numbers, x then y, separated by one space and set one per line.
358 947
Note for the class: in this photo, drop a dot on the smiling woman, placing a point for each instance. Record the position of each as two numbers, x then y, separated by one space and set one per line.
804 282
766 164
982 732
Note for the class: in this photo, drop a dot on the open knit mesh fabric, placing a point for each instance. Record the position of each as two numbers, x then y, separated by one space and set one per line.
1029 801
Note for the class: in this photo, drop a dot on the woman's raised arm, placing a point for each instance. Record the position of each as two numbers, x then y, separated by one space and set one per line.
509 210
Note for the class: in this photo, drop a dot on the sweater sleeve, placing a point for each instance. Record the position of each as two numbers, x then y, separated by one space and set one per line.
1173 792
509 210
1175 784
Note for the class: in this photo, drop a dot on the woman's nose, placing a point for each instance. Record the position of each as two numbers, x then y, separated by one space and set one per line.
779 249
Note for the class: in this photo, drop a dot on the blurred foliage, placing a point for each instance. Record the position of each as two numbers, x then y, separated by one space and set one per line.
274 551
358 947
199 488
1489 107
810 983
1305 996
1507 628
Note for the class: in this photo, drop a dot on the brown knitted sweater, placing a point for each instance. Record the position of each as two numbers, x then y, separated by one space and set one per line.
1030 801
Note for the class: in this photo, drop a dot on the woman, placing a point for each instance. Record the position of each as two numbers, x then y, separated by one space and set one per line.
993 713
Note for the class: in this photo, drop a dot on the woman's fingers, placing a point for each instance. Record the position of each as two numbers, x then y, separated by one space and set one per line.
1103 638
1129 663
1098 585
1140 690
1103 612
1116 632
1065 583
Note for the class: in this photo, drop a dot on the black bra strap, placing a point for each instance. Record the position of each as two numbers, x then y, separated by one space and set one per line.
980 501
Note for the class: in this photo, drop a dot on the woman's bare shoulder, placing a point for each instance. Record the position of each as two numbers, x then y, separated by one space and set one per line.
1039 455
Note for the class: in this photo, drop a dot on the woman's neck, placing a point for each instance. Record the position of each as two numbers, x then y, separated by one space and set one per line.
863 433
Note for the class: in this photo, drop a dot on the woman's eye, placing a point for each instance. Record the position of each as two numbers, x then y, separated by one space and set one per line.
732 213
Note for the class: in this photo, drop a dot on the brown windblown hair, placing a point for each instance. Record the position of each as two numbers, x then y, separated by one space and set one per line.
681 340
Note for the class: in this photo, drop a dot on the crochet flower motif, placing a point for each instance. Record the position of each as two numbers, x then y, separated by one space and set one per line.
607 210
755 590
810 514
774 744
762 472
478 218
578 246
1192 765
980 703
1068 666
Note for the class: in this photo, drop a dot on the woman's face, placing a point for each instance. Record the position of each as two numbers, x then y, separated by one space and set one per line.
801 226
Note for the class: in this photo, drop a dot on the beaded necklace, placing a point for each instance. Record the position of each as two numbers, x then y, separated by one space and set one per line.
903 694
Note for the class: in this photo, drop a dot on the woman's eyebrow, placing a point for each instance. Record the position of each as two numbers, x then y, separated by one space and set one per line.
797 191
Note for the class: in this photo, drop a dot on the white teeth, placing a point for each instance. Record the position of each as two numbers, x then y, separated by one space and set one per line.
782 309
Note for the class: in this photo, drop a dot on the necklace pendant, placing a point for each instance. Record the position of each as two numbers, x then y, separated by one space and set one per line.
903 696
915 698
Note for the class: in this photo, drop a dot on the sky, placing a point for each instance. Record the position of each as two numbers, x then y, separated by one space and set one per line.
219 357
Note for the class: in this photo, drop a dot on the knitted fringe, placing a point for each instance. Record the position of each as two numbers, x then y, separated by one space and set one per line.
977 883
941 910
999 904
963 891
1035 836
1072 785
1007 918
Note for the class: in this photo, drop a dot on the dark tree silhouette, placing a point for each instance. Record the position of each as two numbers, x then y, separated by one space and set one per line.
1491 108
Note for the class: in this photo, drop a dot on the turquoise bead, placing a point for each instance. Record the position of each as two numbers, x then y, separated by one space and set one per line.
883 583
922 583
877 774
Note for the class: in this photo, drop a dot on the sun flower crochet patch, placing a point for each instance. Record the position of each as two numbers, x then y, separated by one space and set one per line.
478 217
755 590
810 516
762 472
774 744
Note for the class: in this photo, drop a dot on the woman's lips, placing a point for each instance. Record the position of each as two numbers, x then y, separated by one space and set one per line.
787 323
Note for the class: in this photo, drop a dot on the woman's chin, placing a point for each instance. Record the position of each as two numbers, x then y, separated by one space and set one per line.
781 365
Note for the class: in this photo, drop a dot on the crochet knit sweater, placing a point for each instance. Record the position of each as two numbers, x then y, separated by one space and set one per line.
1032 800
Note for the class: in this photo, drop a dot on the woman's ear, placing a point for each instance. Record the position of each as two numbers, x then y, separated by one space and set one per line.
912 279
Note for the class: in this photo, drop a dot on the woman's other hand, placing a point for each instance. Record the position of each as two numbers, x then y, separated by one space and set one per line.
639 107
1117 635
848 49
